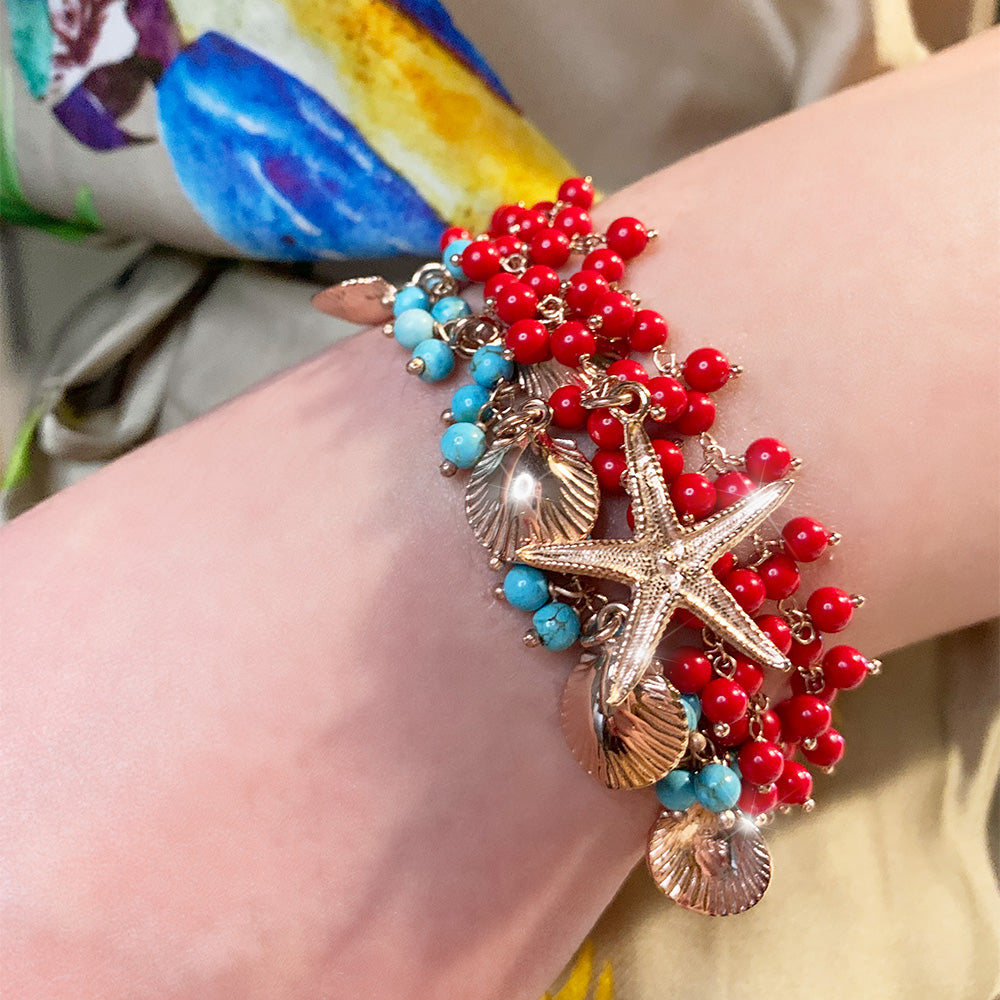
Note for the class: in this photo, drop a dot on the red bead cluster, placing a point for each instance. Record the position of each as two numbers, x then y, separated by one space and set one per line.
575 316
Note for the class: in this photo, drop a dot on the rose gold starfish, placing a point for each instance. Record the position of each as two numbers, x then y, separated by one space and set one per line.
667 566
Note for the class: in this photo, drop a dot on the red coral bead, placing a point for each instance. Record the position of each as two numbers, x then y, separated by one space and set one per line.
649 331
698 415
805 539
571 341
830 609
761 762
585 288
684 619
770 725
723 700
724 565
804 717
767 459
567 410
671 458
844 667
739 732
516 301
828 751
692 494
609 466
748 675
670 394
480 260
573 221
777 630
530 223
551 247
754 802
606 262
541 280
453 233
497 282
805 654
529 340
795 784
545 206
688 669
707 369
508 244
577 191
504 218
606 430
628 371
806 682
748 589
616 312
780 576
731 487
627 237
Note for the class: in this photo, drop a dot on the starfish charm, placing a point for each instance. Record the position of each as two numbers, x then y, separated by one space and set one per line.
667 566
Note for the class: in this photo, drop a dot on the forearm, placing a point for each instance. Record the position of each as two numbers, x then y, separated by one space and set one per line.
266 730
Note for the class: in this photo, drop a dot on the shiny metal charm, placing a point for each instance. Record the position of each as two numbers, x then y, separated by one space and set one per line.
366 301
531 488
636 744
544 377
708 864
667 565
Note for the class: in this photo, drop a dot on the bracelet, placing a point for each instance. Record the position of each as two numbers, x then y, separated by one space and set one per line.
694 718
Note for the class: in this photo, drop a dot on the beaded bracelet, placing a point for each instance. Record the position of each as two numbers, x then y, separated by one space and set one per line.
693 718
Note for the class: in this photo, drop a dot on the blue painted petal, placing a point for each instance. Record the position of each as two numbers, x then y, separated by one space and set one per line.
83 115
32 42
274 169
432 15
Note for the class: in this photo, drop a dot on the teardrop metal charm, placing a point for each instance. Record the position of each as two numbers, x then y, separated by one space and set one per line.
531 488
705 864
636 743
366 301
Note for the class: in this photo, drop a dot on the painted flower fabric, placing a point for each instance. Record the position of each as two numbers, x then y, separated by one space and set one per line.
295 129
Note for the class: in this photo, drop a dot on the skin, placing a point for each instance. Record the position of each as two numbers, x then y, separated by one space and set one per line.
266 731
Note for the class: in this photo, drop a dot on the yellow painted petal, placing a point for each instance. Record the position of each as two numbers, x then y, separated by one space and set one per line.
426 113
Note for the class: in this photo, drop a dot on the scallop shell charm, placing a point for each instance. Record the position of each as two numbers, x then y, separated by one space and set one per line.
544 377
531 488
706 864
638 742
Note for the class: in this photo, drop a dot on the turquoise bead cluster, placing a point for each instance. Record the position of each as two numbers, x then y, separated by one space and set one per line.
557 623
416 325
715 786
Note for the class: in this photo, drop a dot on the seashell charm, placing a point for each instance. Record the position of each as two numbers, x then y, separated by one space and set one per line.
531 488
636 743
706 864
365 301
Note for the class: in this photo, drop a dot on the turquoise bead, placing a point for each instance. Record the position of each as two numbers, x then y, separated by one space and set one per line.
692 709
557 625
468 400
526 587
413 326
409 297
676 790
463 444
450 307
453 248
438 359
717 787
488 366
